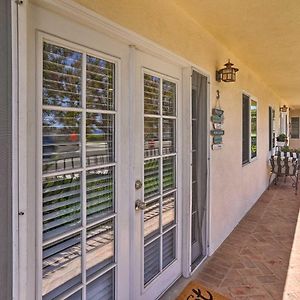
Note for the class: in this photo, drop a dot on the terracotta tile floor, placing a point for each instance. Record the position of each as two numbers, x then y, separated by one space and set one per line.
261 258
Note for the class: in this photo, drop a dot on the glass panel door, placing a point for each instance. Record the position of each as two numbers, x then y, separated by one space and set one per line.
199 169
78 170
160 181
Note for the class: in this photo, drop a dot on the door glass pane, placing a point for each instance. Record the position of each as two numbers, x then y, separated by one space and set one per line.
62 70
194 134
61 266
169 132
100 247
169 173
151 178
61 204
99 138
100 92
151 260
100 193
152 141
152 220
199 168
75 296
151 94
168 210
169 98
169 250
101 288
61 140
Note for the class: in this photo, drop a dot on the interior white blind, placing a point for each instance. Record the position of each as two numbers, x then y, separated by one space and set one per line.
78 200
159 218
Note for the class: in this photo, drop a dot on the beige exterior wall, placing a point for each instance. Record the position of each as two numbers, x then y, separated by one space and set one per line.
234 189
295 143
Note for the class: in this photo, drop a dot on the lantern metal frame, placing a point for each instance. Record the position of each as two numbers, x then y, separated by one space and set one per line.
283 108
227 74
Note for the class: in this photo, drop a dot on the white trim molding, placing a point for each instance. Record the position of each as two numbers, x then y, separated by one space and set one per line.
75 11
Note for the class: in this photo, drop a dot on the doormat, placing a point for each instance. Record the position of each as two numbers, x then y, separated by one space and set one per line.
196 291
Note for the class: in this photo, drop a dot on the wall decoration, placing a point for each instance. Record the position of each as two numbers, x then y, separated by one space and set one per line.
217 120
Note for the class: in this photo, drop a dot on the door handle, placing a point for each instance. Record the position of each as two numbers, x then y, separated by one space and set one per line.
140 205
138 185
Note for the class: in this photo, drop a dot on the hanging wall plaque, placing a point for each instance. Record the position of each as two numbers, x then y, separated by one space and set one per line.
217 131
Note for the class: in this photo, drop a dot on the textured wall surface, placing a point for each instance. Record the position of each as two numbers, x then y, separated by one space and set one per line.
5 153
234 189
264 34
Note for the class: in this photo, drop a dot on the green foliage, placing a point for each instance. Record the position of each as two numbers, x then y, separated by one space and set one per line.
286 149
281 138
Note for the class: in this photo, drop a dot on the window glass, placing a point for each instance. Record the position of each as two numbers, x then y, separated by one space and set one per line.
245 144
253 128
295 128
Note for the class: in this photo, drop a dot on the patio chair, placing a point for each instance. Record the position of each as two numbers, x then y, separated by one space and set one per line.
283 166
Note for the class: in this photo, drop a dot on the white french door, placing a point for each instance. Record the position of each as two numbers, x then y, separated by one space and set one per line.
157 154
92 144
79 237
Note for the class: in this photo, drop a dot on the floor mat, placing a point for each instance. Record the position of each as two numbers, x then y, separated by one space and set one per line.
196 291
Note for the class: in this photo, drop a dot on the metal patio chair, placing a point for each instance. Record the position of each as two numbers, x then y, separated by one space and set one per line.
283 165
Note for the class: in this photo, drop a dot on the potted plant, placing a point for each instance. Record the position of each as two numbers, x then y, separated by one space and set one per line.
281 140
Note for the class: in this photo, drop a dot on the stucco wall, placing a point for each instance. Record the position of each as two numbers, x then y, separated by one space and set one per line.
234 189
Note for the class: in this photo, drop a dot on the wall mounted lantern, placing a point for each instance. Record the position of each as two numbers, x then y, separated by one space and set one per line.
227 74
283 108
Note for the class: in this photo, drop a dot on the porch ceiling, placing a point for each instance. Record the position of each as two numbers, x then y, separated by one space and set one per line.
264 34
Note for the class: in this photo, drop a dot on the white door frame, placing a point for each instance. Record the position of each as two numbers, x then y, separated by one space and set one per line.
187 170
19 124
143 63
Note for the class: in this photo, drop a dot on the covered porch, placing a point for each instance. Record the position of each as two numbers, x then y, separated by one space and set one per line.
131 165
260 259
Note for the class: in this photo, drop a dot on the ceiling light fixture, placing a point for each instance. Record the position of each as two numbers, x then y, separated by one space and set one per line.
283 108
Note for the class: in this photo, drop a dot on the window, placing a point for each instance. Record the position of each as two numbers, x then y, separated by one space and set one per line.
253 129
295 127
249 146
271 128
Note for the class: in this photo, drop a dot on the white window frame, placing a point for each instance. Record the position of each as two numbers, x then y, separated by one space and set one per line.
272 130
251 98
295 117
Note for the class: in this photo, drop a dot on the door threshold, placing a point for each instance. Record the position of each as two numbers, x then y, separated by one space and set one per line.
169 286
199 264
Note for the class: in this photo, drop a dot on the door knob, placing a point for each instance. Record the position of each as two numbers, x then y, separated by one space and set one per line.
138 184
140 205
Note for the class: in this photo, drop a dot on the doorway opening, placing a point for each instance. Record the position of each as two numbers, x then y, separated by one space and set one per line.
199 170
